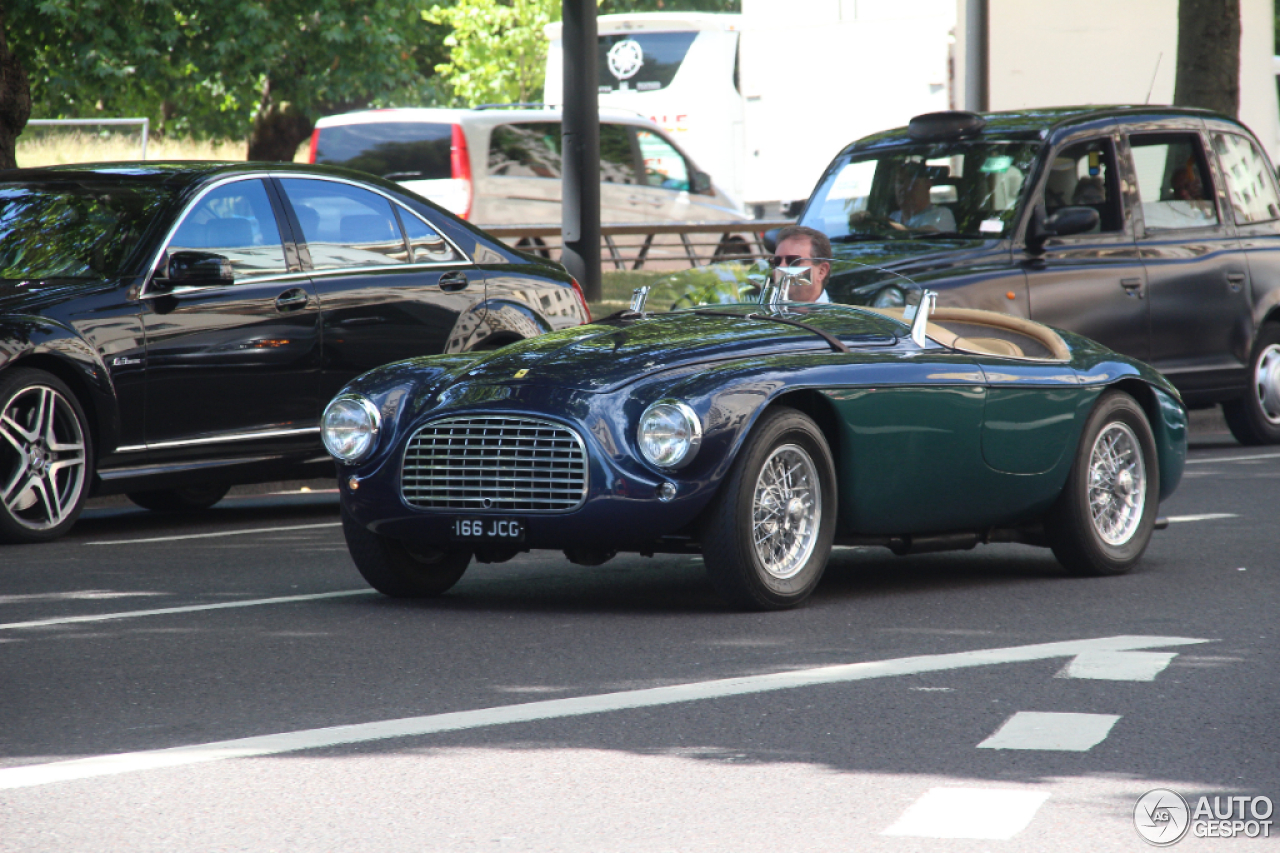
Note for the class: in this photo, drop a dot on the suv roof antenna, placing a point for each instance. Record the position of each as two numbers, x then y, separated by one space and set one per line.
1152 87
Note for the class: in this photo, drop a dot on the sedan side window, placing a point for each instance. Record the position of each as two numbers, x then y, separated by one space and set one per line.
345 226
663 165
1084 175
1173 181
1249 184
426 246
235 221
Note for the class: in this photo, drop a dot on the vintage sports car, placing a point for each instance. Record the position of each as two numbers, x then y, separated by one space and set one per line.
758 435
169 330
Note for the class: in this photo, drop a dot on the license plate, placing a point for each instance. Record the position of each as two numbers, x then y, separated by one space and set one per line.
486 529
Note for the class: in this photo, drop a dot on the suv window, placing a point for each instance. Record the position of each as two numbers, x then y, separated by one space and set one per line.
1173 181
644 62
397 151
532 150
236 221
1084 175
345 226
1249 184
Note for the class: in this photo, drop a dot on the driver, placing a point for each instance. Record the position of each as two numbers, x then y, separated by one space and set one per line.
916 212
799 246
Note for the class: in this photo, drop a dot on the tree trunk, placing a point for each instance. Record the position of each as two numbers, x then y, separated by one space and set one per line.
15 101
1208 55
278 129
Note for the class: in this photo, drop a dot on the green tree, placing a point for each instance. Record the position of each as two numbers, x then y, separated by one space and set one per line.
497 49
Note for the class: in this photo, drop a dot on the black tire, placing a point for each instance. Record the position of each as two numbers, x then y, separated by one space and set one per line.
733 559
1254 418
46 456
1111 540
396 569
185 499
732 249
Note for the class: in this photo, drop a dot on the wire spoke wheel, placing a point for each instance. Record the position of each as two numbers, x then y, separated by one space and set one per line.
43 458
786 511
1117 484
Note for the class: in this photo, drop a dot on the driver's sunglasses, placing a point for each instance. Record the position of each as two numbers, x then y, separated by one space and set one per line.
786 261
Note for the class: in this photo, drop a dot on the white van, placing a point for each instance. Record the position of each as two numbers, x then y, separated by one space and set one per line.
502 166
764 99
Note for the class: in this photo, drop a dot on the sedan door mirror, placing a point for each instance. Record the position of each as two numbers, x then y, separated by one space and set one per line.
199 268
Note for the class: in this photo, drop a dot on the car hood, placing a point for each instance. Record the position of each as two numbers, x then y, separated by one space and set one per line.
607 355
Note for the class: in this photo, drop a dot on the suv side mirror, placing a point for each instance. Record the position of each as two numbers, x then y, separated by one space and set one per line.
700 182
1065 222
191 267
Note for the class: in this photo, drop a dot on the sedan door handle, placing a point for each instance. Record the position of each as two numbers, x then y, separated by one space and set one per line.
454 281
291 300
1132 286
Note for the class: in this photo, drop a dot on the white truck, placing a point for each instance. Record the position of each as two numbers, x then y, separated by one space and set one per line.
764 99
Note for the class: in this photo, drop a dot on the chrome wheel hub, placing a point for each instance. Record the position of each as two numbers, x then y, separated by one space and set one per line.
1266 383
786 511
1117 484
42 458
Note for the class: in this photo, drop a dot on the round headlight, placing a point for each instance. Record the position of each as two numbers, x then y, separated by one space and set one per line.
349 427
669 434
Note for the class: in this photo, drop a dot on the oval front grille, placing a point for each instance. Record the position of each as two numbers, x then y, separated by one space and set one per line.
491 463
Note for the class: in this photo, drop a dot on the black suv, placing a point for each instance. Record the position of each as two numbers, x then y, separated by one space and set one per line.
1154 230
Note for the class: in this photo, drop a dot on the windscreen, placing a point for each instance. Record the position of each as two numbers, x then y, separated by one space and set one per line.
72 230
641 62
395 150
948 189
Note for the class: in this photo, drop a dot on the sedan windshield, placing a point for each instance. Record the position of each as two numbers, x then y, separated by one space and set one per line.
945 189
72 230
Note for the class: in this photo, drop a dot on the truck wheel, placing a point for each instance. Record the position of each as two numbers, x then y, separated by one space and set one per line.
46 457
1103 519
1255 417
767 534
398 569
185 499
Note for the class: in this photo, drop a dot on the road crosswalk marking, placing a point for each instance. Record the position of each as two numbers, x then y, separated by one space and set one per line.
1117 666
993 813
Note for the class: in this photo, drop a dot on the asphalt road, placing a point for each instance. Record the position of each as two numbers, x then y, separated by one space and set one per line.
225 681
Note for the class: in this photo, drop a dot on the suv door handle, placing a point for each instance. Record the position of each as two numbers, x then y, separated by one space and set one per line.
454 281
1132 286
291 300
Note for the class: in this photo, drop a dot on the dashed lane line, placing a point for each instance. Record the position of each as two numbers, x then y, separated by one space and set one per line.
275 744
215 535
1233 458
1051 731
989 813
1205 516
193 608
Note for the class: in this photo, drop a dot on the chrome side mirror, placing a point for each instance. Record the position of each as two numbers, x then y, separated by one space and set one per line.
638 297
778 290
920 318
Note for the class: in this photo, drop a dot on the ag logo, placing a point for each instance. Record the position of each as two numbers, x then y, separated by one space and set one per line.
625 59
1161 817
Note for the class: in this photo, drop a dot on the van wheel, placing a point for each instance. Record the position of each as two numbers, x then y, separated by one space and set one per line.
46 456
1255 417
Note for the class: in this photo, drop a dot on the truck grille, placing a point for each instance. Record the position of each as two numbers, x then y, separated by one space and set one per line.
495 463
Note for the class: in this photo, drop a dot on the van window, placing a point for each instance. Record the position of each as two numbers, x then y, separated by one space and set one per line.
528 150
663 165
642 62
397 151
1249 184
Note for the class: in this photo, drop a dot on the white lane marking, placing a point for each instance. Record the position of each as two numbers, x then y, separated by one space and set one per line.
164 611
213 535
1233 458
1207 516
1117 666
104 765
969 813
1065 732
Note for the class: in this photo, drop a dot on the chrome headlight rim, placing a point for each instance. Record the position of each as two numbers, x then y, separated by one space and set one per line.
373 417
693 425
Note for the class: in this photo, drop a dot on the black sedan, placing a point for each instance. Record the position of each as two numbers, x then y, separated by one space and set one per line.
170 330
1153 230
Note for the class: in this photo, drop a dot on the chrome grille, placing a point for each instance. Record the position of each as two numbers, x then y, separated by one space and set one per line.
494 463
